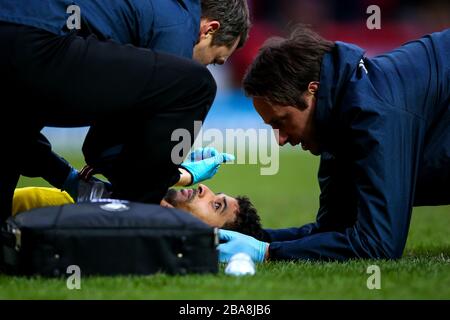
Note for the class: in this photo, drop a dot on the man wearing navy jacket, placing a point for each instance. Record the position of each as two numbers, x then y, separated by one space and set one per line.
110 68
381 127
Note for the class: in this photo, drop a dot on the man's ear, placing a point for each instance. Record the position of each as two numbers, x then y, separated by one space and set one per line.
208 27
313 87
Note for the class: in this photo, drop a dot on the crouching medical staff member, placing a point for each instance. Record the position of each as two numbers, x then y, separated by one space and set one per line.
381 127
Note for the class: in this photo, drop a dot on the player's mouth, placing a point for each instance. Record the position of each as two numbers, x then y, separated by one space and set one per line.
187 194
175 197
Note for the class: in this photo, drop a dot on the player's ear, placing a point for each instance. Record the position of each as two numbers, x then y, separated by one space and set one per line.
208 27
213 26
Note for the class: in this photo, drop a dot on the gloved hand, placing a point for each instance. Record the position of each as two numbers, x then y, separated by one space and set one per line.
203 163
201 154
93 190
86 188
237 242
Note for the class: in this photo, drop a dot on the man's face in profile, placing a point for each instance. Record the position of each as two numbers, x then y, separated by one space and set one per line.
215 209
295 125
205 52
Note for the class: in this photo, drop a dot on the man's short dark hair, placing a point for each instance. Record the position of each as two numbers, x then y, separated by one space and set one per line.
285 66
247 219
234 18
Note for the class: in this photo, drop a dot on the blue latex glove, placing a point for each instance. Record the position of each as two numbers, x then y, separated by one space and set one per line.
237 242
201 154
203 163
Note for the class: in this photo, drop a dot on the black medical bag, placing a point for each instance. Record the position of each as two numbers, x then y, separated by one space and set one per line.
111 237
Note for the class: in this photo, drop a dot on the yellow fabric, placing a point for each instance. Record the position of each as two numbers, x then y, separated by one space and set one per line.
36 197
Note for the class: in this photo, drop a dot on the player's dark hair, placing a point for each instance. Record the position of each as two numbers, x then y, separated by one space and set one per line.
234 19
247 219
284 67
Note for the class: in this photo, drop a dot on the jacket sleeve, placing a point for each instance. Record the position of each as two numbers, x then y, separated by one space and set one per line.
334 186
379 157
287 234
45 163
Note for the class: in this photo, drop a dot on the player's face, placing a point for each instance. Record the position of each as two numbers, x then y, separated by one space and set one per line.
215 209
205 52
295 126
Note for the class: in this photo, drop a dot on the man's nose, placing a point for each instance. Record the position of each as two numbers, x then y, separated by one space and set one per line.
281 138
203 190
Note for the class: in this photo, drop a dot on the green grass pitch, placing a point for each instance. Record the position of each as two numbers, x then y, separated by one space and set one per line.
287 199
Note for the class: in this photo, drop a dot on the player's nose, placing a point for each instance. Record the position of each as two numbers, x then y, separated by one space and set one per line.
203 190
282 139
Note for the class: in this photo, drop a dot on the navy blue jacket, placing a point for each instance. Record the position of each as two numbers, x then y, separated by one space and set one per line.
384 124
170 26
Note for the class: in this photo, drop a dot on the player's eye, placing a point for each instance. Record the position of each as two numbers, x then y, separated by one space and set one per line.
217 205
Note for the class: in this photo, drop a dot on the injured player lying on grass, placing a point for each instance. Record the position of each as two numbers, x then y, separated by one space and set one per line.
215 209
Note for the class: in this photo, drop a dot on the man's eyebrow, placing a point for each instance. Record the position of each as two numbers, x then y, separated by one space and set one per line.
273 121
276 120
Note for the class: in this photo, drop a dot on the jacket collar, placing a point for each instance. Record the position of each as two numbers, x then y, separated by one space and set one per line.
337 68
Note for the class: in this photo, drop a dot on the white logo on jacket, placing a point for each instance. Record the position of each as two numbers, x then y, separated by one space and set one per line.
362 66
